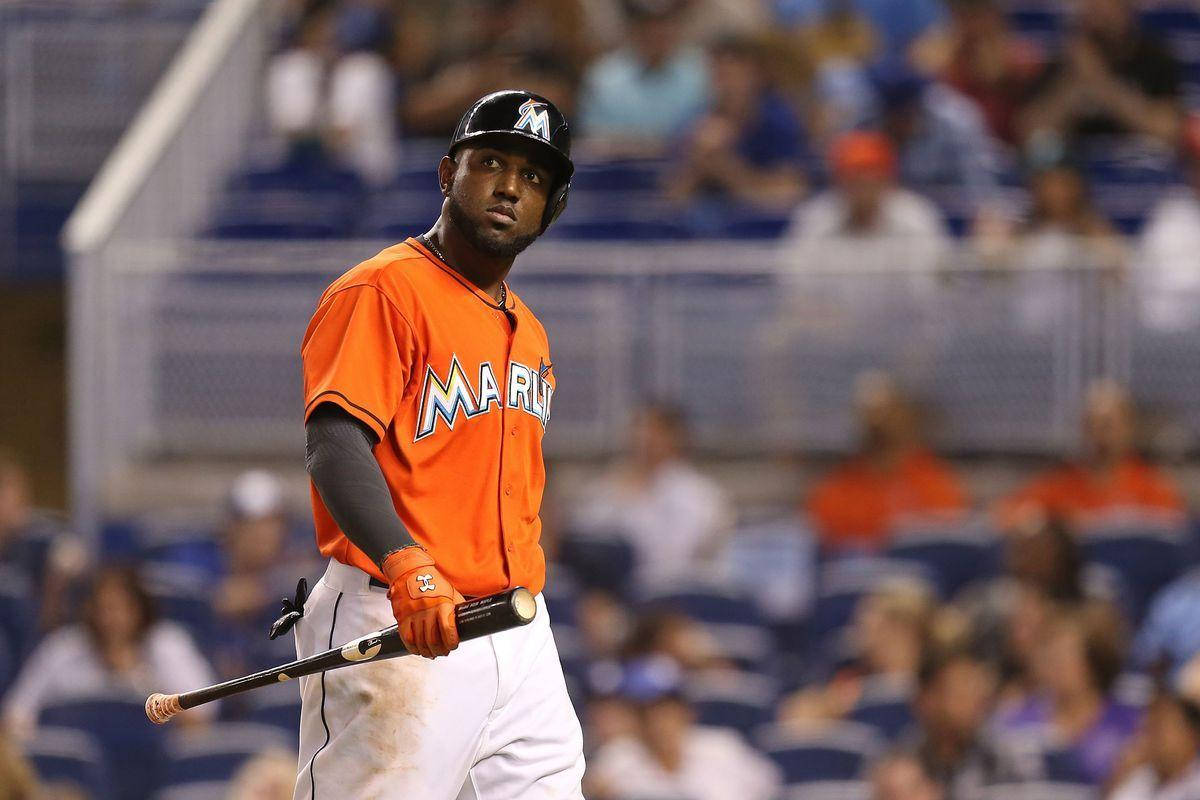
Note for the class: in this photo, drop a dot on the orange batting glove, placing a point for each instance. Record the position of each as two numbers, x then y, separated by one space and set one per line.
423 602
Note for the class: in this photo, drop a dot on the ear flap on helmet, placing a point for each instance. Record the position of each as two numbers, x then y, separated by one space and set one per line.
555 205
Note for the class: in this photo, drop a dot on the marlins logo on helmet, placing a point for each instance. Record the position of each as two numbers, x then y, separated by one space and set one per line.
534 118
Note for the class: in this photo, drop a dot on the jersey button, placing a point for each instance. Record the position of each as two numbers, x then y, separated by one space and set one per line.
513 432
508 488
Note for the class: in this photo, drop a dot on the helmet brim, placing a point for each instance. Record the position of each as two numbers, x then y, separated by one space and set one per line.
563 166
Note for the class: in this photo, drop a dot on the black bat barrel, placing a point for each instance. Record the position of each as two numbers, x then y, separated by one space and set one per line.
482 616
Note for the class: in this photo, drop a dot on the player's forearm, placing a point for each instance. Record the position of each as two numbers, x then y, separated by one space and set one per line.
340 462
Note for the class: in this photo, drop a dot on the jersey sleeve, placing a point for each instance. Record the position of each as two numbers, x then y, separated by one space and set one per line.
358 353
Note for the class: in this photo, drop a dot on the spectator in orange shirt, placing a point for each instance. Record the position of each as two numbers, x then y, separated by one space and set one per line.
1110 482
894 481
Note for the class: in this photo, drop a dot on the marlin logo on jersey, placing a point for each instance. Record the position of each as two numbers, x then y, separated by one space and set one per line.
534 118
526 389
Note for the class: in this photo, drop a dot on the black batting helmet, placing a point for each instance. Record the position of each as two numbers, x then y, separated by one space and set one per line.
514 112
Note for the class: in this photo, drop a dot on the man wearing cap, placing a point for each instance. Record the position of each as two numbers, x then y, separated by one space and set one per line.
428 385
866 220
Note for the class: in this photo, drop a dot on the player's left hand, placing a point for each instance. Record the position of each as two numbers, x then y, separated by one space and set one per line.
423 602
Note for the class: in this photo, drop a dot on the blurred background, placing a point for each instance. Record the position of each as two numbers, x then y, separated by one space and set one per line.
873 462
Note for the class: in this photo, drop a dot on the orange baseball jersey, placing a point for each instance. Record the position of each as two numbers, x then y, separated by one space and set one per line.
458 392
858 504
1084 499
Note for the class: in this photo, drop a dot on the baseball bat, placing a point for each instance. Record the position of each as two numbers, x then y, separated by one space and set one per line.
482 616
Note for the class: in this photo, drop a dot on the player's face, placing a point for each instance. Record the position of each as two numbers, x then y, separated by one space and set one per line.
497 197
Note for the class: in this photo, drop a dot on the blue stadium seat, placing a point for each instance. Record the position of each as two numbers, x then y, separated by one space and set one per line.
598 562
737 625
278 710
1146 559
215 753
65 757
18 616
1061 766
130 744
827 790
618 175
616 229
204 790
837 751
181 595
732 699
398 213
890 719
561 593
884 706
1036 21
1045 790
955 556
746 224
283 214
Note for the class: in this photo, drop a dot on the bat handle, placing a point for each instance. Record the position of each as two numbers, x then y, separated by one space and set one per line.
161 707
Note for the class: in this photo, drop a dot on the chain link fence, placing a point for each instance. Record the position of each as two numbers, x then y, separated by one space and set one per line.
204 358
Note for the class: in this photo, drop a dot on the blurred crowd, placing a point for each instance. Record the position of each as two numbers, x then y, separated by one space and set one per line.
874 134
891 637
841 114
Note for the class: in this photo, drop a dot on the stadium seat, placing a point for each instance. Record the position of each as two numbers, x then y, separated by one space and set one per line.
1046 790
955 556
777 557
617 229
18 615
215 753
598 562
131 746
733 619
278 708
1061 765
843 582
283 214
885 707
180 599
828 790
625 175
1145 558
837 751
732 699
69 758
207 790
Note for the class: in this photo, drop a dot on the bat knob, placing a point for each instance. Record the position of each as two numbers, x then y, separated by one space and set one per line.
161 707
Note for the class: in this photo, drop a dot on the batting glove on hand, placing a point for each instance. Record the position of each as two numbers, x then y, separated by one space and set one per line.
423 602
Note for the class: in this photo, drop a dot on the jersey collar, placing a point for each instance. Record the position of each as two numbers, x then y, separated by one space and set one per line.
510 302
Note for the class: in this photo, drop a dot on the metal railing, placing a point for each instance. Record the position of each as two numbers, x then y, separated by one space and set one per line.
159 182
198 347
207 333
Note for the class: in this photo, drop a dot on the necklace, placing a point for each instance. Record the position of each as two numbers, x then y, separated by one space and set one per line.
437 252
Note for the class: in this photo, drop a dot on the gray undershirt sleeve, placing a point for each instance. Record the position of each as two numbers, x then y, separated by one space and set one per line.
339 460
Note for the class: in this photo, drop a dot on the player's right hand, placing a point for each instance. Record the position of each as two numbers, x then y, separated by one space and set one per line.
423 602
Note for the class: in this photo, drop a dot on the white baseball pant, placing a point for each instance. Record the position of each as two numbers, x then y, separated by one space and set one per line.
490 721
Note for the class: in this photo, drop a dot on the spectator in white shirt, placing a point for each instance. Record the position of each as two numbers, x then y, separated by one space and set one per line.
1168 266
119 646
867 220
675 518
335 86
672 757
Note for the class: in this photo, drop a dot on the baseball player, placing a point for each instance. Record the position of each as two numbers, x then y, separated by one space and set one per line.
427 389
